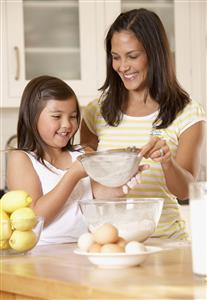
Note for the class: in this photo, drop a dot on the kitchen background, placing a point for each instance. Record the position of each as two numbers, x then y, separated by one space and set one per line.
66 39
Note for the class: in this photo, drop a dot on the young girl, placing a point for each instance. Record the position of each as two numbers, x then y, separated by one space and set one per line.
45 164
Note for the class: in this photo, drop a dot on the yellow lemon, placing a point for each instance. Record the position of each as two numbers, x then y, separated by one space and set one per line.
13 200
22 240
4 245
5 226
23 219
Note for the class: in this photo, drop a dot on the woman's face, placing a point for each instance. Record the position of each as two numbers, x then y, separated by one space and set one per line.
57 122
129 60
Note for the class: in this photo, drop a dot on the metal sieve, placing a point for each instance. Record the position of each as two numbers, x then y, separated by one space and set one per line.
113 167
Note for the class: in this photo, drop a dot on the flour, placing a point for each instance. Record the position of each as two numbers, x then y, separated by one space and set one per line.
136 231
132 230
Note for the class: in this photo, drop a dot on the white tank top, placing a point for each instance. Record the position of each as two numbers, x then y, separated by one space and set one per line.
69 223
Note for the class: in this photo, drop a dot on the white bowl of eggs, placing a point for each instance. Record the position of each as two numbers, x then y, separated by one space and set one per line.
107 249
135 219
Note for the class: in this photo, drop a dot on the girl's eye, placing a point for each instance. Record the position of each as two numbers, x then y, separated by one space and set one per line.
74 117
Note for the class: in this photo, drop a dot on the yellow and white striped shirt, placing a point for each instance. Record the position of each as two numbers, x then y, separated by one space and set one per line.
136 131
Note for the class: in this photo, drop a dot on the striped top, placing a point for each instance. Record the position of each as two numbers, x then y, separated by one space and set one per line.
137 131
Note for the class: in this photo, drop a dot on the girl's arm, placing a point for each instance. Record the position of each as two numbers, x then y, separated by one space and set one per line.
184 168
21 175
103 192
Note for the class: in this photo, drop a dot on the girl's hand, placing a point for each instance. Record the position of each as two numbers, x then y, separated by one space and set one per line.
135 180
157 149
78 168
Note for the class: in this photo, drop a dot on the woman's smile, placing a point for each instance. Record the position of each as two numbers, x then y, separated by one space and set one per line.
129 77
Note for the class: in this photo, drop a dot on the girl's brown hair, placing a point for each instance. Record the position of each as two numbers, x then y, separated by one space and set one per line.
34 98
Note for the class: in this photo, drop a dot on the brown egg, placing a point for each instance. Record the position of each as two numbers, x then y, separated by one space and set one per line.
95 247
106 234
121 242
111 248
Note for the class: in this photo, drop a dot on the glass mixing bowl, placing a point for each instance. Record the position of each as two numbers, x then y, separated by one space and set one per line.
112 168
136 219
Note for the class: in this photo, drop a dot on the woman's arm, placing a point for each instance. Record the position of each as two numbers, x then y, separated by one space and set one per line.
184 168
87 137
21 175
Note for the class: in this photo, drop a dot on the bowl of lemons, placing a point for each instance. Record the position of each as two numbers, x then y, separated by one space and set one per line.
20 227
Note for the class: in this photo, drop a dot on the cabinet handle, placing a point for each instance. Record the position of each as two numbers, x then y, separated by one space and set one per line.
16 49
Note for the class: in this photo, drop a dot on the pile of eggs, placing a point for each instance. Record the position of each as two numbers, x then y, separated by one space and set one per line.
106 239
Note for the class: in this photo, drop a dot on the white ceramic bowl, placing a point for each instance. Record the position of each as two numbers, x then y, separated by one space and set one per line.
23 241
111 168
136 219
118 260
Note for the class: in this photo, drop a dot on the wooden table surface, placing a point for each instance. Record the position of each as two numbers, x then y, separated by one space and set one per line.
55 272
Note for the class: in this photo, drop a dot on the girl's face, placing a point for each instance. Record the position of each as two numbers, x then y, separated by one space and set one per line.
57 122
129 60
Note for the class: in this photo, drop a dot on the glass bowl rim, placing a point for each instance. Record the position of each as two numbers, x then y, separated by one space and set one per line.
121 201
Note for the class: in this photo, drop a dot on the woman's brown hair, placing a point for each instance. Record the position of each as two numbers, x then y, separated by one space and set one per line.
161 80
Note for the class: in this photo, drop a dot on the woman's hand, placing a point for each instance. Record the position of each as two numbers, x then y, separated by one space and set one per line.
135 180
157 149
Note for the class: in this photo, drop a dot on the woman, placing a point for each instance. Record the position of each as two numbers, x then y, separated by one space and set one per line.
143 105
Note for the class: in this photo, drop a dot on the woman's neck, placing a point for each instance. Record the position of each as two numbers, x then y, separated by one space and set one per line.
140 104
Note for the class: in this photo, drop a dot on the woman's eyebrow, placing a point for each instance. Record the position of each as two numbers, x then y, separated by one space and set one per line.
129 52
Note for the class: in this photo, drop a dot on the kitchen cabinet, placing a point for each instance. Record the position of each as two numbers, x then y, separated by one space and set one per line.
51 37
65 38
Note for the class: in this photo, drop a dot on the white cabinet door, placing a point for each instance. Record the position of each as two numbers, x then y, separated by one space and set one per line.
51 37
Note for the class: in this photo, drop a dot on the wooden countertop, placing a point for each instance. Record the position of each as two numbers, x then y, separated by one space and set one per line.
55 272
